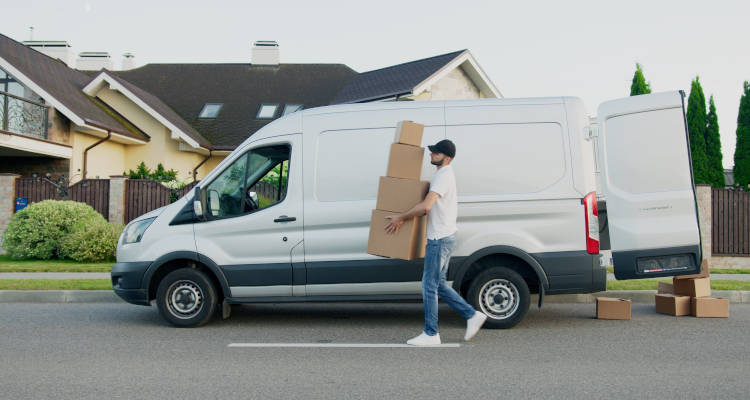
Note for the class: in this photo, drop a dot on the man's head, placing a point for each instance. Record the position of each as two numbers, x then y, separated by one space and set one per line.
442 153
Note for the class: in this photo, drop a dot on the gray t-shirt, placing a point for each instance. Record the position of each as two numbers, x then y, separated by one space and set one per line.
441 221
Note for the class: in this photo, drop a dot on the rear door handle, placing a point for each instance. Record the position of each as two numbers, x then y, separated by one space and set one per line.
284 218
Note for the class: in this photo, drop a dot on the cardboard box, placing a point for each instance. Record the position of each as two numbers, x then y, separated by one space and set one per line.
694 287
405 161
612 308
400 195
664 288
705 272
672 305
408 244
709 307
409 132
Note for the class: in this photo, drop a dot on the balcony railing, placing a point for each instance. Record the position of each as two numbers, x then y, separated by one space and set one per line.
23 116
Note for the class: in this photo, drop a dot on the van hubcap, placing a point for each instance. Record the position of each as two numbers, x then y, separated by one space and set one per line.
185 299
498 298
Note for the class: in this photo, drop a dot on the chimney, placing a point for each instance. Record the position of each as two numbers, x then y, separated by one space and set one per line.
58 49
128 61
265 52
93 61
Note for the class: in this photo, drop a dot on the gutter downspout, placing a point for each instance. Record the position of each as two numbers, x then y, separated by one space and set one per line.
195 170
85 155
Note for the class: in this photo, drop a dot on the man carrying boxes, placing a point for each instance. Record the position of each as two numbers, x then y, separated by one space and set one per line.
441 207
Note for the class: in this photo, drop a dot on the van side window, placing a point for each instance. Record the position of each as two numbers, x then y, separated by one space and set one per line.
268 175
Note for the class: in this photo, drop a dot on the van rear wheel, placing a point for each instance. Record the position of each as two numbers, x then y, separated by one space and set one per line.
502 294
186 298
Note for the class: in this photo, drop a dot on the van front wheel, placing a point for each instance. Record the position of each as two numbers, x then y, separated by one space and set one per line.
186 298
502 294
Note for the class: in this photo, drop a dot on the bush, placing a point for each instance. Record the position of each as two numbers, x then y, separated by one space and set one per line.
91 242
36 231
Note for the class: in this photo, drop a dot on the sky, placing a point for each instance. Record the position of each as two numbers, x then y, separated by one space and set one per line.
577 48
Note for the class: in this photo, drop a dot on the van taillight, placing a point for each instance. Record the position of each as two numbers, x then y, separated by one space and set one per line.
592 223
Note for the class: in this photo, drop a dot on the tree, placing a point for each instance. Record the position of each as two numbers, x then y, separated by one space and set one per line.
696 120
713 147
639 85
742 151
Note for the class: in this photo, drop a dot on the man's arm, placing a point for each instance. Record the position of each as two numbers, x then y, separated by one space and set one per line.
422 208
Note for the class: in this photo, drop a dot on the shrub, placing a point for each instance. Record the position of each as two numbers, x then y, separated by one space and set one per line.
36 231
89 242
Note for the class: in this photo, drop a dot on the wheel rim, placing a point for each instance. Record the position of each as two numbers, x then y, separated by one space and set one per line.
499 298
184 299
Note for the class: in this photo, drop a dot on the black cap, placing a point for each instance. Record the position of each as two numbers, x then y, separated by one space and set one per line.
444 146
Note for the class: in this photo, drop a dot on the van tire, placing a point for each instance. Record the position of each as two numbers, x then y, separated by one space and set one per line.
502 294
186 298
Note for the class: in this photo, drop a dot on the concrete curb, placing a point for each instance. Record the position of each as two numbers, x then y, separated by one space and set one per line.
108 296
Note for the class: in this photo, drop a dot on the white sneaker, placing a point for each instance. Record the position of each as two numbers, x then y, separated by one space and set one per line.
425 340
473 325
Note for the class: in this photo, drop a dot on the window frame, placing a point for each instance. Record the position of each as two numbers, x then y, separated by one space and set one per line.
221 106
275 110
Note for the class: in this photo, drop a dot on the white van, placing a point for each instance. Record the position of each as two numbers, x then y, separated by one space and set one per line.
285 217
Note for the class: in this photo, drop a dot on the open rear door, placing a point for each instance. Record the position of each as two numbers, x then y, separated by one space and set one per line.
647 179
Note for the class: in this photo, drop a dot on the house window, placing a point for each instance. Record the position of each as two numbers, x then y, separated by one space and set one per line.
267 111
210 110
290 108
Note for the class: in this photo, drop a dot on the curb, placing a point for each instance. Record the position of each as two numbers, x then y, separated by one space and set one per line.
108 296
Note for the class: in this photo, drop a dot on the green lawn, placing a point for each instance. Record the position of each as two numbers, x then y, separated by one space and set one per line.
713 270
650 284
9 265
55 284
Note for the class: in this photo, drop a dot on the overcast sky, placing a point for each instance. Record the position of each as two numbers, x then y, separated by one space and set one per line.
577 48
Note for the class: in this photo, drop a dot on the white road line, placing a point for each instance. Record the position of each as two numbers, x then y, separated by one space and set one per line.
342 345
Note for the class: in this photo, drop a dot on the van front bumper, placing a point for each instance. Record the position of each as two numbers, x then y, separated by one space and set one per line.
127 281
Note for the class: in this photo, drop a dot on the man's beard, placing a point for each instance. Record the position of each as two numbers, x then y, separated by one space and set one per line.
438 163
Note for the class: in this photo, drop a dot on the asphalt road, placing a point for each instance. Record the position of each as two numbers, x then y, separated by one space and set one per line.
72 351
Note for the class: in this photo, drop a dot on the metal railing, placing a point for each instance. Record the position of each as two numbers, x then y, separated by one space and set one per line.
22 116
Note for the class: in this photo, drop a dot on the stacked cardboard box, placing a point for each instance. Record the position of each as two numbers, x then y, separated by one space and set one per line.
399 191
690 295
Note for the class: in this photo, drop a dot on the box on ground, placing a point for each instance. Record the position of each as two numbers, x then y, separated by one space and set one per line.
705 272
671 304
612 308
709 307
400 195
405 161
664 288
693 287
409 132
407 244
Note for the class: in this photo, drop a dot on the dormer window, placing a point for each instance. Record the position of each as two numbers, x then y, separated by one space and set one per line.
210 110
267 111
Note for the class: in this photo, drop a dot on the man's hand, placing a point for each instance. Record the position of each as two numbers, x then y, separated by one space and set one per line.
394 223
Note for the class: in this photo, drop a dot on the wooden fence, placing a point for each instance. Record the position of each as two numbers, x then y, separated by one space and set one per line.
730 219
144 195
94 192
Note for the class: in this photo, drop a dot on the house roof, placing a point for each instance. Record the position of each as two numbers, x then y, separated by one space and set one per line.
392 81
240 88
60 86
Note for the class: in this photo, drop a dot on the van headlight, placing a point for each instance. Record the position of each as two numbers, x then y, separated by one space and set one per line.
135 230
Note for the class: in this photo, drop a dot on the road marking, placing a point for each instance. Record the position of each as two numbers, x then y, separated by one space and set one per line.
342 345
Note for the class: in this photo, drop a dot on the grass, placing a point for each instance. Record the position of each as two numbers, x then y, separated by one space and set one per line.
713 270
10 265
650 284
55 284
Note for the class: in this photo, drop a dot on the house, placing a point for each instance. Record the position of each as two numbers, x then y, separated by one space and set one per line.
96 122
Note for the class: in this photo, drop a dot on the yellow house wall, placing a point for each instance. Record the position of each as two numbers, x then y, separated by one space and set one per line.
104 160
160 149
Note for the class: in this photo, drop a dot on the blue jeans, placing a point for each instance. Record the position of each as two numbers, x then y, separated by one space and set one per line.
437 254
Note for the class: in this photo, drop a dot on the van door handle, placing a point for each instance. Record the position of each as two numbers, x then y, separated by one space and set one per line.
284 218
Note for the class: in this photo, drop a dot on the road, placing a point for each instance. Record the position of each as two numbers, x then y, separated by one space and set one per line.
80 351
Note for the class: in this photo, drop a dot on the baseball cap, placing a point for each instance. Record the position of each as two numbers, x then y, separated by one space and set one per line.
444 146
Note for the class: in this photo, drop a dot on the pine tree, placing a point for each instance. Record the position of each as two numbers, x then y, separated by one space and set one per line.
742 151
696 120
713 147
639 85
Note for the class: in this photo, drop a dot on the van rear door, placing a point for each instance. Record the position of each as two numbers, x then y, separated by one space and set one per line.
647 178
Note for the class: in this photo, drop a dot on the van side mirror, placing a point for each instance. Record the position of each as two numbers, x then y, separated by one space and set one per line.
197 205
